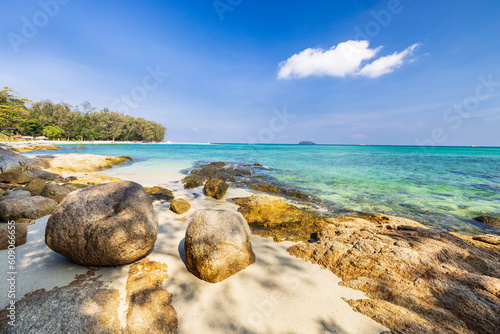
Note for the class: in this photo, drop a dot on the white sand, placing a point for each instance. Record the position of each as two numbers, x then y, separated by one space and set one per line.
277 294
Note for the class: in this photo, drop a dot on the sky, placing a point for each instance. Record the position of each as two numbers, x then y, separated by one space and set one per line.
396 72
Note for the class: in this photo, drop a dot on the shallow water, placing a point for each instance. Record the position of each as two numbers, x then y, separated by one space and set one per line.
441 187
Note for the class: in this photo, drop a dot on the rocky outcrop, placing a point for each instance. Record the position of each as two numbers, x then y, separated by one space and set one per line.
55 191
78 163
150 307
493 221
41 147
81 147
89 305
217 245
31 207
215 188
419 280
36 186
180 206
159 193
86 305
270 216
13 234
104 225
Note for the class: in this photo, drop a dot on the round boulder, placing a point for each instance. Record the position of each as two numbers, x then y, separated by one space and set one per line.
217 245
179 206
36 186
108 224
55 191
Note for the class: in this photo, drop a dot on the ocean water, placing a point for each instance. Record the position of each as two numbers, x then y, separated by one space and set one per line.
443 187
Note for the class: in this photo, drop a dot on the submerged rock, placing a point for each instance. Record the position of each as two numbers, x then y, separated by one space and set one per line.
104 225
217 245
180 206
493 221
419 280
215 188
31 207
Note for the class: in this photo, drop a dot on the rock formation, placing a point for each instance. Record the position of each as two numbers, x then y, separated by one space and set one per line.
217 245
104 225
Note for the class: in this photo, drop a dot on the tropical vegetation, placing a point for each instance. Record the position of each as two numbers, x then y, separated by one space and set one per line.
19 115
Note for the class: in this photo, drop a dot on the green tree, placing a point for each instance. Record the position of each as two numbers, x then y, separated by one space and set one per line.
53 132
32 127
13 109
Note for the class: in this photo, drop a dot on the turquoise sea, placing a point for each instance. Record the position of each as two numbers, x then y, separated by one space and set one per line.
442 187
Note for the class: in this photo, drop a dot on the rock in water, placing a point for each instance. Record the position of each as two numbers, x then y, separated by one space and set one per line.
216 188
493 221
217 245
180 206
104 225
31 207
55 191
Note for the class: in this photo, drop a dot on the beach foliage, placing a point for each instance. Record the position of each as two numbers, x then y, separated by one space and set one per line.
83 122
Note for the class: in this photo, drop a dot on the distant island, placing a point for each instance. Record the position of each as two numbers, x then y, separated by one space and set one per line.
21 118
305 142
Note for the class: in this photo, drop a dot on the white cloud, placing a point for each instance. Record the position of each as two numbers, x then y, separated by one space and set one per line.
339 61
387 64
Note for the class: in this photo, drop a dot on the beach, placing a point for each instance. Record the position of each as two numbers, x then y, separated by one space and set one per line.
285 290
277 294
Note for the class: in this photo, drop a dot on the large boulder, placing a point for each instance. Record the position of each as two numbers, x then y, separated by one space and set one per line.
31 207
108 224
55 191
13 234
14 168
36 186
215 188
217 245
180 206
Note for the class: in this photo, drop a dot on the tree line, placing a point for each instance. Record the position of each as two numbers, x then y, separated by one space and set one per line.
83 122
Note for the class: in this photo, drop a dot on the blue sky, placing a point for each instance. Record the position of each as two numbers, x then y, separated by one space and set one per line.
415 72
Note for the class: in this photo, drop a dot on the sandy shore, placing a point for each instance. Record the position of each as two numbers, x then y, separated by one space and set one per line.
277 294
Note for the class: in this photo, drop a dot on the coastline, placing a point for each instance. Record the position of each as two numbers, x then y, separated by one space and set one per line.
278 292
